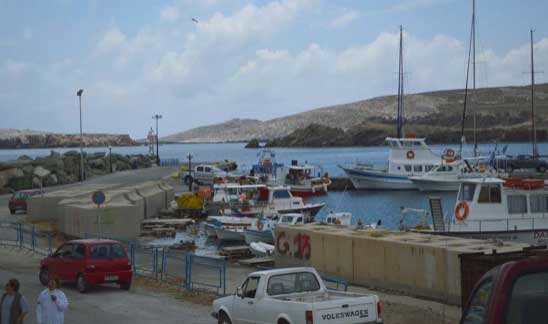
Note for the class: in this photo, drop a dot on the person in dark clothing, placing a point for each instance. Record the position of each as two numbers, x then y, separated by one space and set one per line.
13 306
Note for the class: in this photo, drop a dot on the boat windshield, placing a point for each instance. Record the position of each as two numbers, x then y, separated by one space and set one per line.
467 191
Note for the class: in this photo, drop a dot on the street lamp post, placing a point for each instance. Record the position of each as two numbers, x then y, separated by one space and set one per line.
79 94
157 149
110 157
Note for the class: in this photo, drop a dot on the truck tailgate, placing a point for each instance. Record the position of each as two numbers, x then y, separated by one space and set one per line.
360 310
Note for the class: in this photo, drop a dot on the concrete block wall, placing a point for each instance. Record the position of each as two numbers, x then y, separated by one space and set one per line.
415 263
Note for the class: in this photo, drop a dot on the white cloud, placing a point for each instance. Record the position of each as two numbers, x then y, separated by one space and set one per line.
170 13
13 69
344 19
112 39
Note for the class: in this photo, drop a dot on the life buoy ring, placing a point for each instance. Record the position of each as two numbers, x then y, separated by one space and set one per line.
461 211
260 225
410 155
449 153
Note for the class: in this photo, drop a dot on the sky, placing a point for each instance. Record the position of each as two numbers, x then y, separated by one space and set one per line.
243 59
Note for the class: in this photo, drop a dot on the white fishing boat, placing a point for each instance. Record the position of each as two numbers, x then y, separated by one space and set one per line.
261 249
305 181
255 200
492 208
267 170
408 157
449 176
260 231
227 228
341 218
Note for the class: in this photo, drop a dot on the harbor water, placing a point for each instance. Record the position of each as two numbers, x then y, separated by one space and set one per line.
367 206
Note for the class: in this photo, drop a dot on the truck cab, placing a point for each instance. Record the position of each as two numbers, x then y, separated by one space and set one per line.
515 292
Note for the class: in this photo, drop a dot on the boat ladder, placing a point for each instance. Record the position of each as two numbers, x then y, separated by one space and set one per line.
437 214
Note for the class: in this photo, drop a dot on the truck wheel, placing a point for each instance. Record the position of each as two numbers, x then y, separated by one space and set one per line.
223 319
541 168
44 276
12 211
188 180
282 321
81 284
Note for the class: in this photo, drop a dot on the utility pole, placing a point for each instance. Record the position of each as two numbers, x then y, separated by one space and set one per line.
157 146
399 117
189 156
474 75
79 94
533 127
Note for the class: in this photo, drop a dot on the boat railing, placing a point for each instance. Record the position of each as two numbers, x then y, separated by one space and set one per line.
501 224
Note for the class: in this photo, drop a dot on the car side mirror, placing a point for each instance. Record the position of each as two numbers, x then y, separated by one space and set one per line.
239 292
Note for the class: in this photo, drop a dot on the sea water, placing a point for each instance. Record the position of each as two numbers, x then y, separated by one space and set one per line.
367 206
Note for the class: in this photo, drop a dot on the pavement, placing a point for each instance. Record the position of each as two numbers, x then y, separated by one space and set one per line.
103 304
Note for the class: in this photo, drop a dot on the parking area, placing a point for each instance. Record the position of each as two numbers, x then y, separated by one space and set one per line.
105 304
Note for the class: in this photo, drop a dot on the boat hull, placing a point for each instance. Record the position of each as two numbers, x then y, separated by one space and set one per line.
310 210
378 180
533 237
224 234
436 185
258 236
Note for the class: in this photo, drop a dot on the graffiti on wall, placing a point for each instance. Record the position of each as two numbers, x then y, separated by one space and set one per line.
297 247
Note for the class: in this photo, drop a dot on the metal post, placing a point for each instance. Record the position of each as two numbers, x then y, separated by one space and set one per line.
33 238
110 157
20 235
533 128
157 139
189 156
79 94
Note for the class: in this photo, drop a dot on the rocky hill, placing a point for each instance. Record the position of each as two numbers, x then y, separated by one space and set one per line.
502 113
14 138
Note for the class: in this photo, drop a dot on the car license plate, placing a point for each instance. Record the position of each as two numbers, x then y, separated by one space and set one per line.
111 278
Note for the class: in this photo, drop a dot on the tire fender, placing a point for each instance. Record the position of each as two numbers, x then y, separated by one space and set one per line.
284 317
226 311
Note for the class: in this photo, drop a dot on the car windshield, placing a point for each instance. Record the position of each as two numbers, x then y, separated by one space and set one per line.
292 283
106 250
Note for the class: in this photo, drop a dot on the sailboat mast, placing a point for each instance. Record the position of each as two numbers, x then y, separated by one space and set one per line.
474 74
533 128
400 88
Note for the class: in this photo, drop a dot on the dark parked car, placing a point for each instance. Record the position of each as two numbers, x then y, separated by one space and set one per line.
88 262
514 292
18 200
527 162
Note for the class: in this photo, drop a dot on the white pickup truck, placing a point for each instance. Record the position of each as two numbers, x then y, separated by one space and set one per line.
294 296
204 174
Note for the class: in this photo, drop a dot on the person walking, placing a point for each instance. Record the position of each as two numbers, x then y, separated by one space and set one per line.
13 306
51 304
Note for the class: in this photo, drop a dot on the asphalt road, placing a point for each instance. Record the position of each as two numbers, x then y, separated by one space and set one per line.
104 304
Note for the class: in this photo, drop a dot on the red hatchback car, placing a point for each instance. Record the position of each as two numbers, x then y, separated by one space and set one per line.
18 200
88 262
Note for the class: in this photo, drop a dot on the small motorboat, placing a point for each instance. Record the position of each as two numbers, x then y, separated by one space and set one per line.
261 249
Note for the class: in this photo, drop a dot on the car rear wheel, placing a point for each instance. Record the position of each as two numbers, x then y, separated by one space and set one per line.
125 285
12 211
223 319
44 276
81 284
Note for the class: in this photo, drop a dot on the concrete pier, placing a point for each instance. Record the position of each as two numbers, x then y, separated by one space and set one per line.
413 263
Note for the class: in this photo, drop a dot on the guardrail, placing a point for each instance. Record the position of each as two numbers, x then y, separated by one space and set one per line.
26 237
169 162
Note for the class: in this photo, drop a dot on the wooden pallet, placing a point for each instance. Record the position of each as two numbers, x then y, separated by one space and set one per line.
235 253
255 262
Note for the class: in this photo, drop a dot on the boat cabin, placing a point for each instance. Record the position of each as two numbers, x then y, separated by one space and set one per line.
338 218
410 156
493 204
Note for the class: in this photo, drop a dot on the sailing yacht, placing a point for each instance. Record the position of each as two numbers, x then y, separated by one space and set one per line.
408 156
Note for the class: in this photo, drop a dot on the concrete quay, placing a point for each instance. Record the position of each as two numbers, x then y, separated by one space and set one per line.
417 264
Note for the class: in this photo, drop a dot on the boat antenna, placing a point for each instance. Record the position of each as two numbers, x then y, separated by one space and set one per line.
471 48
533 128
400 88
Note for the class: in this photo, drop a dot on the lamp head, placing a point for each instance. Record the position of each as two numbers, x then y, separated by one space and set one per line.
79 93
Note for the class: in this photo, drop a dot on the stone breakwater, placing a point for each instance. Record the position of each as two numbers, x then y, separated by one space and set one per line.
14 139
57 169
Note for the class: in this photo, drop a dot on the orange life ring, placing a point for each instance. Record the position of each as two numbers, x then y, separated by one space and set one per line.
410 155
449 153
461 211
260 225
